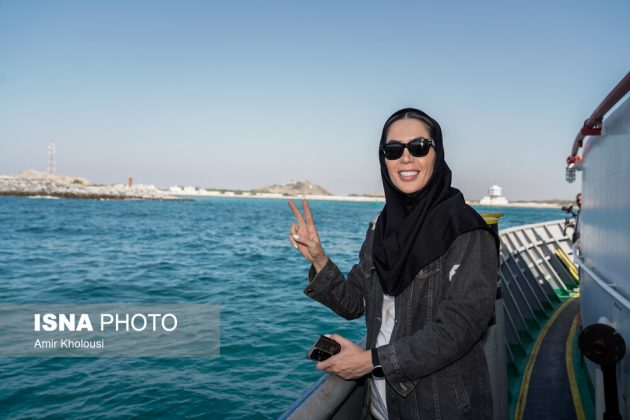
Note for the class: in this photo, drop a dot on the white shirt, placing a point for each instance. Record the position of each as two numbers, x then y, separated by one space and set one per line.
378 405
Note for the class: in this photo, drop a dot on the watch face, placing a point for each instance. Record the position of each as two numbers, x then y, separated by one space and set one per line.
378 372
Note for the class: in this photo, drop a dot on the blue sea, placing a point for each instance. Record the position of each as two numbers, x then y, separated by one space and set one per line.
230 251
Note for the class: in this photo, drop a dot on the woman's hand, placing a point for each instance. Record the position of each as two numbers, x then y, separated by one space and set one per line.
304 237
350 363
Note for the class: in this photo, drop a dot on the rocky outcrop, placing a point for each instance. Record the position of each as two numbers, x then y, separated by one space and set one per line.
294 188
33 183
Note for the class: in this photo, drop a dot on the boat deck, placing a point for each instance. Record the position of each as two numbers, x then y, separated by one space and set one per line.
546 390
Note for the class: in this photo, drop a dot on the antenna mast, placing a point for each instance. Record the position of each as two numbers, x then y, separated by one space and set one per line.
52 164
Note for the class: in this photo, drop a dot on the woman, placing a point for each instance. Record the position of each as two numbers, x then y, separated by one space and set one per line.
426 283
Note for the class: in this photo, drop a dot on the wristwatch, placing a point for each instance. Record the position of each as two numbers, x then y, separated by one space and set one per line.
377 369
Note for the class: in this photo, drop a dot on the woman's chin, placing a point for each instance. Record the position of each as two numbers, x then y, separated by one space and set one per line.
409 187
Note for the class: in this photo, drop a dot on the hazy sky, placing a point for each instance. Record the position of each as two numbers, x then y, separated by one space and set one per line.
240 94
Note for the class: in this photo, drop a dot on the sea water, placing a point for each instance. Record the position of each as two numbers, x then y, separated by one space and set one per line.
230 251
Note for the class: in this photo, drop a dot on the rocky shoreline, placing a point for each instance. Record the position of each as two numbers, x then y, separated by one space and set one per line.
34 184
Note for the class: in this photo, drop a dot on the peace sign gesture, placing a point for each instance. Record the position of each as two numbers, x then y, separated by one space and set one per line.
304 236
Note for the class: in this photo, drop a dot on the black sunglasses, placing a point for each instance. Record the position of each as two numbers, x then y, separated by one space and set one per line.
418 147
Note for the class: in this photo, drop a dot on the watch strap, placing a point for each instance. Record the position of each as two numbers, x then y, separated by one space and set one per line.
377 369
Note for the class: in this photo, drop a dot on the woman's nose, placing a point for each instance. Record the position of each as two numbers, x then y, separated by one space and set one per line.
406 157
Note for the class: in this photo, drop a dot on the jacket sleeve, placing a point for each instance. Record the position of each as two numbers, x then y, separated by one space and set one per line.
461 318
330 287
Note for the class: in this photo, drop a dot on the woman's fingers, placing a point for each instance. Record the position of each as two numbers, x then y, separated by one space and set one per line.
343 342
308 213
294 237
298 216
295 245
296 213
302 239
294 231
339 339
303 235
324 364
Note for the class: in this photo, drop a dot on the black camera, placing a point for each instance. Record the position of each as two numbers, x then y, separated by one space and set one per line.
324 348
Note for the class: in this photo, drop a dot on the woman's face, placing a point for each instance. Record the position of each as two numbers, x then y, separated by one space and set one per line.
408 173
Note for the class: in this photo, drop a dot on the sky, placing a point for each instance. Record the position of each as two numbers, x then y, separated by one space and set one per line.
242 94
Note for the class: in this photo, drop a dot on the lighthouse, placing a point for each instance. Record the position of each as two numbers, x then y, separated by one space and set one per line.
494 197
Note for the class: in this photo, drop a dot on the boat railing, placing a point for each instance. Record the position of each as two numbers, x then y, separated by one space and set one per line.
535 280
594 124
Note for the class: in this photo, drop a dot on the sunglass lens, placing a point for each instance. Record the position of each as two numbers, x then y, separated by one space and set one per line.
418 148
393 151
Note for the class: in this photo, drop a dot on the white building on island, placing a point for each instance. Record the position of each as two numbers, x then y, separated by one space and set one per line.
494 197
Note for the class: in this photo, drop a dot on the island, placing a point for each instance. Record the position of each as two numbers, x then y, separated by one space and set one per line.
31 183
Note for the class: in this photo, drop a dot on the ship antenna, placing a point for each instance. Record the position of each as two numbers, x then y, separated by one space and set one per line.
52 164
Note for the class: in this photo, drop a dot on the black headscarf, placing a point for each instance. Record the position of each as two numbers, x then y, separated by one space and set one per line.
416 229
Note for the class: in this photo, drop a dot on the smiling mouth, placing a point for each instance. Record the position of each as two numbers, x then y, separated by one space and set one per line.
408 175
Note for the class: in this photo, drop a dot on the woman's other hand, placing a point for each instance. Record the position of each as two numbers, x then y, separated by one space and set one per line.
350 363
304 236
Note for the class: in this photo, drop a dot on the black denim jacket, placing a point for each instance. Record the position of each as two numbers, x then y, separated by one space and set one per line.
434 365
